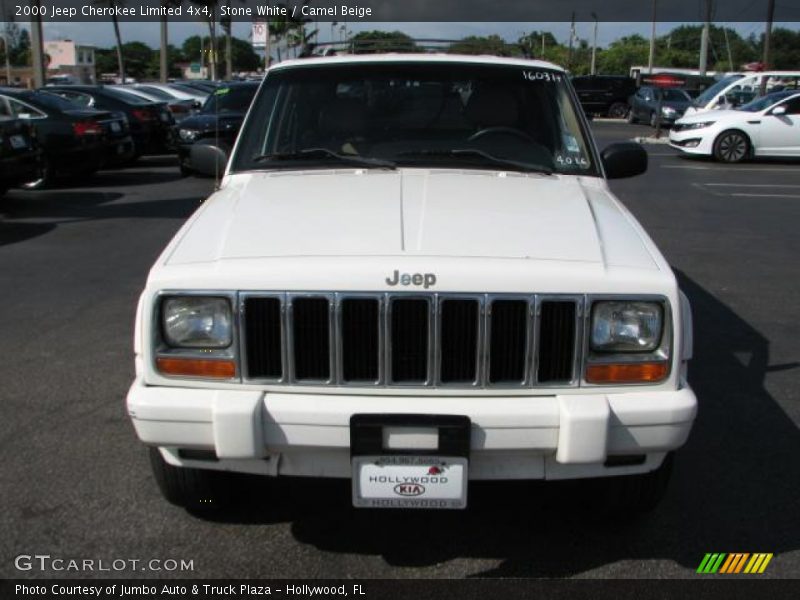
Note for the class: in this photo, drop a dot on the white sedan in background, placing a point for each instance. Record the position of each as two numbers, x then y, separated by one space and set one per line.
767 126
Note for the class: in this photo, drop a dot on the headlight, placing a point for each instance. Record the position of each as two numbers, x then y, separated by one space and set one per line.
619 326
668 110
196 322
188 135
690 126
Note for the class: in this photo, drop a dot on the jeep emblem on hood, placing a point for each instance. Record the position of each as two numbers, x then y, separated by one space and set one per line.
426 280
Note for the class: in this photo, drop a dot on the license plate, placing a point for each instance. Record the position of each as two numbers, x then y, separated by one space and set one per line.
115 127
18 142
406 481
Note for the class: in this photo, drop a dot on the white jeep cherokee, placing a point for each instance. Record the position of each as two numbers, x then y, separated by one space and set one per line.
414 275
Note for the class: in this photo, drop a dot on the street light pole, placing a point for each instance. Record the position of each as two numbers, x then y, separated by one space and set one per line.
594 46
37 48
652 56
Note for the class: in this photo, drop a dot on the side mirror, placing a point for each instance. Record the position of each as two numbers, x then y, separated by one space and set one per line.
625 159
208 159
778 111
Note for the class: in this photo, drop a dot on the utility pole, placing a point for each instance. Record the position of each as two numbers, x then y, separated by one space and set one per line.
728 46
594 46
542 46
652 56
37 48
162 62
704 40
768 33
571 39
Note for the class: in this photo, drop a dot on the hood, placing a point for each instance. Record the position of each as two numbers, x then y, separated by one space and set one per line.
692 116
410 212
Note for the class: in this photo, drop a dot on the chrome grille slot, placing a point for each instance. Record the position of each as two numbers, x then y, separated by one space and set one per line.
359 328
263 338
459 323
508 341
410 339
556 344
311 339
415 339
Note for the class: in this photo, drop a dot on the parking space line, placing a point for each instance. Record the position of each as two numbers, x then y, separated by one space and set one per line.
755 185
743 194
787 170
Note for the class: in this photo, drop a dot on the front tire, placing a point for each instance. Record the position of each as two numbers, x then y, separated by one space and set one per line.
731 147
46 176
618 110
194 489
631 495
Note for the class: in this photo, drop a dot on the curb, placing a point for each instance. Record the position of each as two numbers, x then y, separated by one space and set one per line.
651 140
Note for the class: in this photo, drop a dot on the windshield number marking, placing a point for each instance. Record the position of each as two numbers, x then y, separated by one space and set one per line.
541 76
568 161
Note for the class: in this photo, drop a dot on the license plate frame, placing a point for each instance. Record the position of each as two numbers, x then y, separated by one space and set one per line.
371 454
408 481
18 142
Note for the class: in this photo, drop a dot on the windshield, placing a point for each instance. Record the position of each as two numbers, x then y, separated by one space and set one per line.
715 89
230 99
416 114
765 102
125 96
44 99
671 95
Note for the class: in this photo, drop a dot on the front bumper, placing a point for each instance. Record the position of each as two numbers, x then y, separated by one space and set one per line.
703 147
533 437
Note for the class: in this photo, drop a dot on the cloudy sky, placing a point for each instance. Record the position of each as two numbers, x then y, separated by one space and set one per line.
102 34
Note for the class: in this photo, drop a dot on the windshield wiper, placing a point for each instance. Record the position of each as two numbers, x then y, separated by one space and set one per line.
316 153
518 165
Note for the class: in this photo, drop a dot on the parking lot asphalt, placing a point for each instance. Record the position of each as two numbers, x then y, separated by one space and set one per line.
75 482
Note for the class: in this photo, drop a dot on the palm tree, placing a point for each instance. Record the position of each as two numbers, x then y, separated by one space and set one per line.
163 67
120 59
210 17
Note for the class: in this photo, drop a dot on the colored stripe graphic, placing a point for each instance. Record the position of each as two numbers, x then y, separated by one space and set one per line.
724 563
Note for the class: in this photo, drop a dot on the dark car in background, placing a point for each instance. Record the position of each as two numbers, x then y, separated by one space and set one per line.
647 101
74 141
605 95
150 122
19 153
217 122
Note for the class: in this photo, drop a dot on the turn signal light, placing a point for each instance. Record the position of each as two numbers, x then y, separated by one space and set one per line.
197 367
647 372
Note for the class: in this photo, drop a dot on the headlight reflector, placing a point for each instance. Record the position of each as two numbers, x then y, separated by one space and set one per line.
624 326
197 322
188 135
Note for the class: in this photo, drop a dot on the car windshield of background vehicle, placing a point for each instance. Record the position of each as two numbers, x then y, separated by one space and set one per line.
475 116
765 102
125 96
675 96
44 99
715 89
229 99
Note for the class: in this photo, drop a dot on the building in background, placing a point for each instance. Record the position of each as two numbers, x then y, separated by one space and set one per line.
69 62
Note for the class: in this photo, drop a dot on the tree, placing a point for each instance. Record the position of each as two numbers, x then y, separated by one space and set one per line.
19 45
138 59
492 44
622 54
208 9
536 44
120 60
368 42
163 65
242 54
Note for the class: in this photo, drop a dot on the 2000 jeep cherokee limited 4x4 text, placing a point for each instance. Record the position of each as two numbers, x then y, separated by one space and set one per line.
414 275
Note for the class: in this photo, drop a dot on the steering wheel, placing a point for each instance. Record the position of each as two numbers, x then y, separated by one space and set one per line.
500 130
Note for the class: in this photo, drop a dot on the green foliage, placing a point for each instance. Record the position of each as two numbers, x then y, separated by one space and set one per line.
492 44
19 44
366 42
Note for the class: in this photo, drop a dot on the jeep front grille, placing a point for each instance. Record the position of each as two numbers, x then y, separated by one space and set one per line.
401 340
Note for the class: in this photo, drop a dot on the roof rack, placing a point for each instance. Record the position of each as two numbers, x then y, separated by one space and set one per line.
412 45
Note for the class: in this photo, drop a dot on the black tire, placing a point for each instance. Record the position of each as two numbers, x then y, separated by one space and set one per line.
732 146
618 110
632 495
46 176
194 489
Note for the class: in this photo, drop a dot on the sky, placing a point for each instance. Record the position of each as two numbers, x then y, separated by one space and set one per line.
102 35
